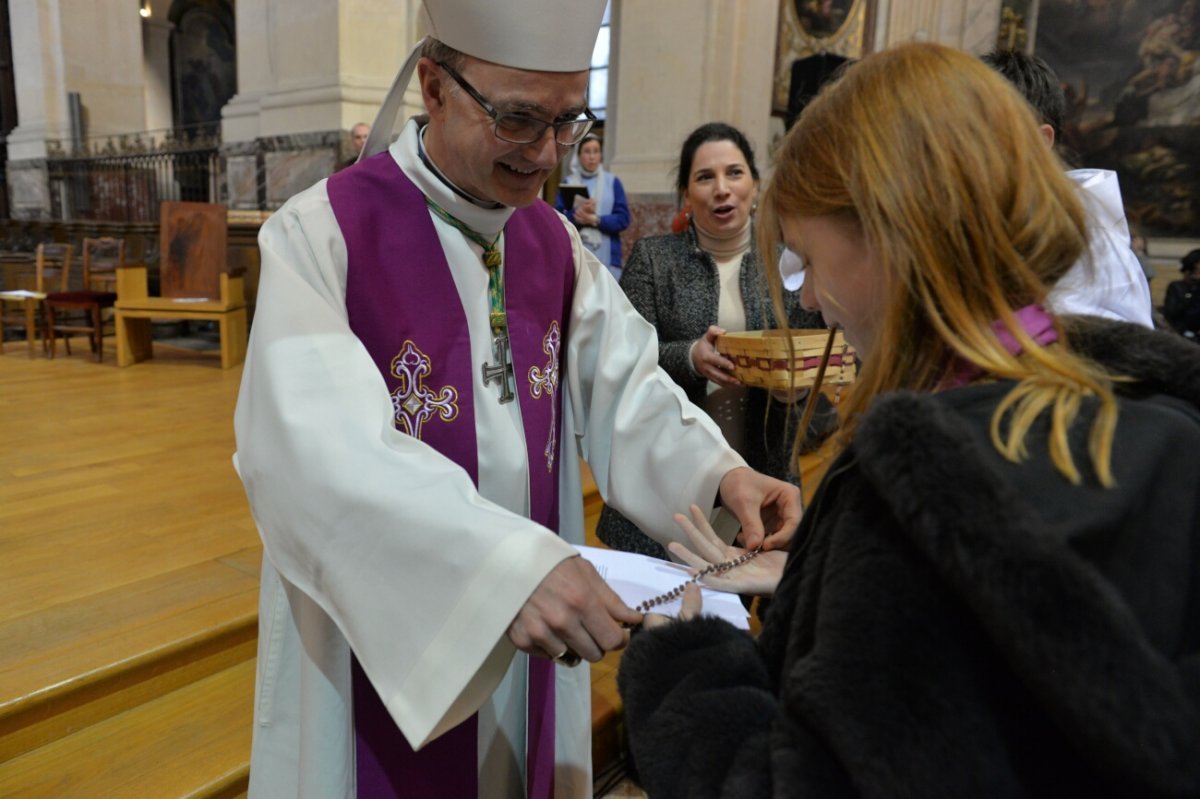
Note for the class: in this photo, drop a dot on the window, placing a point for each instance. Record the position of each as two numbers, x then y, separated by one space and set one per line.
598 80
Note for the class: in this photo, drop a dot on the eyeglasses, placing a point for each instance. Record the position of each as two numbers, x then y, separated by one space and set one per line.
522 129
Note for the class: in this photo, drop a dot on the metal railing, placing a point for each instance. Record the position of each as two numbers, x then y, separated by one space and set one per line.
123 178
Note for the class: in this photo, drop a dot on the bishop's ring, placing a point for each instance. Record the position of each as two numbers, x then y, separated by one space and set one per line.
567 658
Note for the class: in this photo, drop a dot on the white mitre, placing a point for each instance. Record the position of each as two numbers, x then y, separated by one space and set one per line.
537 35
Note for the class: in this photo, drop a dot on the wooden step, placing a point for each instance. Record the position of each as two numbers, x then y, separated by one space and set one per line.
193 742
128 581
87 659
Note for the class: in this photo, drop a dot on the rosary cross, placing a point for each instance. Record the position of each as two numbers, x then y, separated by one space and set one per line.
502 370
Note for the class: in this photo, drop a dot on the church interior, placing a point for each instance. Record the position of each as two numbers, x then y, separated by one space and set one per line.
169 131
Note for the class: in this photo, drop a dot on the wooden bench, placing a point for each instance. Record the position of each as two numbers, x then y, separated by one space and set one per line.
135 308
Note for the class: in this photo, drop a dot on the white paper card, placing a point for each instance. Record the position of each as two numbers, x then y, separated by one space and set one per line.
636 578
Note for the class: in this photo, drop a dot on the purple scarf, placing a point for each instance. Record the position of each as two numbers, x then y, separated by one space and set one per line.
1033 319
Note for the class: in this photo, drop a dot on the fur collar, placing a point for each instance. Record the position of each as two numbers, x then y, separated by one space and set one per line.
1160 362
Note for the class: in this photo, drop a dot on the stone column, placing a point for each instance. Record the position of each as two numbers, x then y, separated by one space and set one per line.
156 70
40 77
102 57
306 73
41 102
93 49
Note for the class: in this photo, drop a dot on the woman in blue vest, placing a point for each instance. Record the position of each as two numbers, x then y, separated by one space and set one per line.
604 214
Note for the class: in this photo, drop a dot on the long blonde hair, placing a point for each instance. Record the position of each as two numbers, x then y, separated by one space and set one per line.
940 164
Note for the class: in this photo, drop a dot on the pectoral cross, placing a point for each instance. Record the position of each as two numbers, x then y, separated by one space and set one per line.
502 370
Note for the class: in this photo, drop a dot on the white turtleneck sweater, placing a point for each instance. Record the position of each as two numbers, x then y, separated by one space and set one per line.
727 251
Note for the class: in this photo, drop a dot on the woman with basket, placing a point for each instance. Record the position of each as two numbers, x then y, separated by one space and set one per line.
996 589
698 284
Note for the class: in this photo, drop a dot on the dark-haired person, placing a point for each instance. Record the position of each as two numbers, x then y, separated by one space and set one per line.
605 213
1181 304
1108 279
693 286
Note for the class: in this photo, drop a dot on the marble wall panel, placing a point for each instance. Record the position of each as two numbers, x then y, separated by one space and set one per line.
650 215
969 25
293 171
293 163
241 173
29 189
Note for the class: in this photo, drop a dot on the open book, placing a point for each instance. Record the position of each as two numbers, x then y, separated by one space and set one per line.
636 578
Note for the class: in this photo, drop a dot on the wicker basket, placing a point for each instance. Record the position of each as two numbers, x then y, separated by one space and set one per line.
762 358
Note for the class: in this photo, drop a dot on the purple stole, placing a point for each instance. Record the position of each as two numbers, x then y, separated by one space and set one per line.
403 304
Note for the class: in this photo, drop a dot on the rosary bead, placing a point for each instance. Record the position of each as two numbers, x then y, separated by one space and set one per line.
677 591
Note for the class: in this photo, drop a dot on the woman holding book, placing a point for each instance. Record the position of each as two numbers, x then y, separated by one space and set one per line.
601 213
996 590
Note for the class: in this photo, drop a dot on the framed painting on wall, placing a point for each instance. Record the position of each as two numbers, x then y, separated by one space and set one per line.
1131 73
830 32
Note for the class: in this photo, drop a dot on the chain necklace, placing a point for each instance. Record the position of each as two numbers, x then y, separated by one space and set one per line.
502 370
492 261
715 568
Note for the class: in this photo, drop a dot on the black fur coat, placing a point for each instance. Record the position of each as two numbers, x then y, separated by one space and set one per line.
957 625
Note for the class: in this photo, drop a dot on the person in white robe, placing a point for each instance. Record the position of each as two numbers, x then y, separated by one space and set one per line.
1108 279
377 545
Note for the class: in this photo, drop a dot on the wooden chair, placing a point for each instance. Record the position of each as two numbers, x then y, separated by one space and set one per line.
101 262
195 284
21 307
84 309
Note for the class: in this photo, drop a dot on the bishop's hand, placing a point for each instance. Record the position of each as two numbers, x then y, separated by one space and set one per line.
768 509
572 611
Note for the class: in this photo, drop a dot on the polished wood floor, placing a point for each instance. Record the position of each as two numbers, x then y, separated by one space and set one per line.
109 476
112 475
128 578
